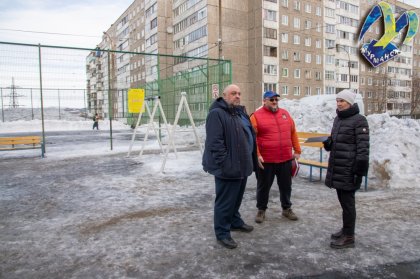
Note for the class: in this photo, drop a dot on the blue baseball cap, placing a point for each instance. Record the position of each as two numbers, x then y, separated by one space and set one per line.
270 94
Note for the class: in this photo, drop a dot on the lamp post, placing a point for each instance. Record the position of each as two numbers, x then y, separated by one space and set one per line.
110 108
348 55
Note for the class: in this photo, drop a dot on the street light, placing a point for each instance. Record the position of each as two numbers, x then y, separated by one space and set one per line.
111 46
348 55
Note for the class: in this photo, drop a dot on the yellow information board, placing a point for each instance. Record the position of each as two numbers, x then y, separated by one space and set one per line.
135 100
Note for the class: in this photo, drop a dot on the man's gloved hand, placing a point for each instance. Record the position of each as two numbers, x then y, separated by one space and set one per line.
358 180
327 144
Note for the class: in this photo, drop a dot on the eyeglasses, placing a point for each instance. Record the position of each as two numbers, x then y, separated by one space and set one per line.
274 100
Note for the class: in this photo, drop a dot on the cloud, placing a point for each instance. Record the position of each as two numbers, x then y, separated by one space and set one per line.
87 19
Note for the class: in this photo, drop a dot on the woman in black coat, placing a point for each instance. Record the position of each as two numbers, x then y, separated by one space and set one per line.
348 162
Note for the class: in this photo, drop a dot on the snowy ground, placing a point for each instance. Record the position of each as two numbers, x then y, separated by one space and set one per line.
88 212
115 217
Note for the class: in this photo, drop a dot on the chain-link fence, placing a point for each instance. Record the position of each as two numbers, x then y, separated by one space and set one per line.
38 77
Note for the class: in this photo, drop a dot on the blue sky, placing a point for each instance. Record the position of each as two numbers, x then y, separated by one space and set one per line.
85 18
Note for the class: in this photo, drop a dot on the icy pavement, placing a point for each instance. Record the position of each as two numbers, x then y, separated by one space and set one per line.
110 216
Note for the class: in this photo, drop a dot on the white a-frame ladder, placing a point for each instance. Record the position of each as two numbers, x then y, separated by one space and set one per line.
151 124
183 103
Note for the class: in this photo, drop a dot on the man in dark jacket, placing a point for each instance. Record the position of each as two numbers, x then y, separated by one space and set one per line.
348 162
229 155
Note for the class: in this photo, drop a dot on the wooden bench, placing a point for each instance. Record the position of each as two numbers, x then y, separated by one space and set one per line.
25 142
321 164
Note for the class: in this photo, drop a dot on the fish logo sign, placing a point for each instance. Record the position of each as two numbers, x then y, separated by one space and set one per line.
378 52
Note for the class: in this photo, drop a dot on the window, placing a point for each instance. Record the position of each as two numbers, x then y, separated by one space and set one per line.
329 59
285 90
270 87
308 24
296 5
270 33
329 43
330 28
329 75
318 43
296 56
318 91
296 39
297 73
318 11
308 74
308 57
296 90
285 19
342 77
153 23
308 41
270 69
329 90
307 91
318 76
285 72
284 3
369 81
308 8
318 59
353 78
296 22
151 10
329 12
270 15
270 51
284 37
285 55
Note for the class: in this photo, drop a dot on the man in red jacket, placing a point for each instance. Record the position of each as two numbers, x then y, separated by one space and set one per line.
276 137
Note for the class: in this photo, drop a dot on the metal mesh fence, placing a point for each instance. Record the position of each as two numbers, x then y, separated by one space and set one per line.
97 80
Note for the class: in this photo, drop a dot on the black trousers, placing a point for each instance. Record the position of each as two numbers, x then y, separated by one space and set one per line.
229 194
348 204
265 178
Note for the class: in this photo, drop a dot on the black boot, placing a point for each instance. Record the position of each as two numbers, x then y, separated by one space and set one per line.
345 241
337 235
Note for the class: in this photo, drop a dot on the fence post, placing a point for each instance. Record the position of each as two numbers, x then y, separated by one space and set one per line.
42 99
59 107
2 108
32 106
109 98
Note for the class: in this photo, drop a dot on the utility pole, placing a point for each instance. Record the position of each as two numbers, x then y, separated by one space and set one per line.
337 46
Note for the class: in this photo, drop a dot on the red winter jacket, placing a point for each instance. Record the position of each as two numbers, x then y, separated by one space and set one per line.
276 135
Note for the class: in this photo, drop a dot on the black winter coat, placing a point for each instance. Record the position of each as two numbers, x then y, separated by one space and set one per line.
349 146
226 154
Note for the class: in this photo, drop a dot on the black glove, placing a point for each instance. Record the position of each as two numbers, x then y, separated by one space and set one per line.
327 144
361 167
358 180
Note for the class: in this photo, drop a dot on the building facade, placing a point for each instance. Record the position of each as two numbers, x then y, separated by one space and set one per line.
297 48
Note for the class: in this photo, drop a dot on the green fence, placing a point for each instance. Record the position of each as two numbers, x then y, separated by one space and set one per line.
36 77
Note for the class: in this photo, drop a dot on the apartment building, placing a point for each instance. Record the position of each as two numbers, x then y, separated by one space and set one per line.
295 47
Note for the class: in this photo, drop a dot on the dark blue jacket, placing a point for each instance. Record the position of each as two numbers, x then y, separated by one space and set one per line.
226 154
